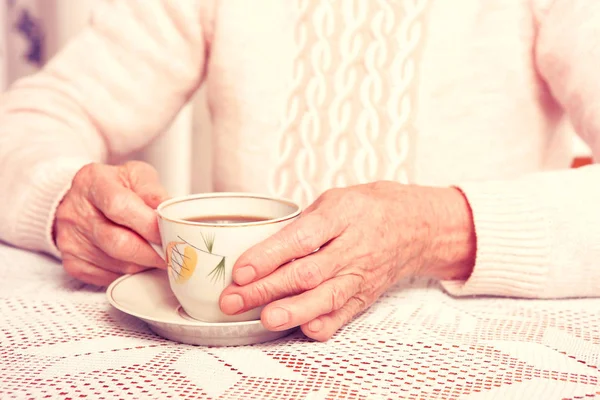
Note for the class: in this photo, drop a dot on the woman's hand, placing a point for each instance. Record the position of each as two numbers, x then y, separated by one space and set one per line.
368 237
104 220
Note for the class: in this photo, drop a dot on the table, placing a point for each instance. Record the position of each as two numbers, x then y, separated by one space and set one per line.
61 339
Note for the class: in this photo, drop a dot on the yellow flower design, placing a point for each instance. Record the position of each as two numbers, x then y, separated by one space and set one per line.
181 260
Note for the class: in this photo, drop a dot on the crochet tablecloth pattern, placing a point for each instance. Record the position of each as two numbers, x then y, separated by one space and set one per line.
61 339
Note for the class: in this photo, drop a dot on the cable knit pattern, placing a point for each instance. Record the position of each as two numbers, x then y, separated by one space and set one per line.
312 94
349 115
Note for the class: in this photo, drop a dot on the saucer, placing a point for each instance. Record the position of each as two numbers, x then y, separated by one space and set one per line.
147 296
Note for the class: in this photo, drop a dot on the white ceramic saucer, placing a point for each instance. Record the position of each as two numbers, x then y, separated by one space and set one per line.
147 296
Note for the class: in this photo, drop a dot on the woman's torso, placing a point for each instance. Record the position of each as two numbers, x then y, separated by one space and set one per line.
308 95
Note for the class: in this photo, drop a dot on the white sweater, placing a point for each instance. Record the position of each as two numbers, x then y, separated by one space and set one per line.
309 95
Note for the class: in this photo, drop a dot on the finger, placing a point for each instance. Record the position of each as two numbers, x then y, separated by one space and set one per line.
145 182
74 244
122 244
296 277
325 326
296 240
124 207
297 310
95 256
121 268
88 272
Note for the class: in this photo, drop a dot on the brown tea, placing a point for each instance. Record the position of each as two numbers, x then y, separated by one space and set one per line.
226 219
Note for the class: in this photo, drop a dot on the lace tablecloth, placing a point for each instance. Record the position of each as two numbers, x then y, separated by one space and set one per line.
61 339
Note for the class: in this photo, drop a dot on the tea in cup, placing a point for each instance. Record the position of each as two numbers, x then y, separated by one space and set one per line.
203 236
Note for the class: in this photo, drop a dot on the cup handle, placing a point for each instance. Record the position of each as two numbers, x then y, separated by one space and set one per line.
158 249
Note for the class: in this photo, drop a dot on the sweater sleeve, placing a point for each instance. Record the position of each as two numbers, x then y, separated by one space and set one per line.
113 88
539 236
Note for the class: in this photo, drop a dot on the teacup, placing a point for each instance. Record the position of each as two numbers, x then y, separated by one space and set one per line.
202 237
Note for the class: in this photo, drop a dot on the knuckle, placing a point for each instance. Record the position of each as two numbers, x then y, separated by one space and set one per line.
361 280
344 315
94 168
121 247
135 168
134 165
80 179
379 185
361 304
116 205
330 194
85 171
337 298
307 275
110 240
352 199
304 238
130 249
259 294
87 174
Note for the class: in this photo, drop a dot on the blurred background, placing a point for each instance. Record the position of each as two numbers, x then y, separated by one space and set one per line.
34 30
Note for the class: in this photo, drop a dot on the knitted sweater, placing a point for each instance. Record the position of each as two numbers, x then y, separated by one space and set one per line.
309 95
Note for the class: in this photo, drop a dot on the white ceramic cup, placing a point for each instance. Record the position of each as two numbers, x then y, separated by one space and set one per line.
201 255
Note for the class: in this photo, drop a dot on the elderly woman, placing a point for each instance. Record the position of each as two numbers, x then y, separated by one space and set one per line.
421 135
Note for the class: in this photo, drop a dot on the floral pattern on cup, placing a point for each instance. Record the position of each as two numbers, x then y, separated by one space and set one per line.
183 258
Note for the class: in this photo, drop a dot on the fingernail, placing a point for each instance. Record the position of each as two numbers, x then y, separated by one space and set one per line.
232 303
277 317
244 275
315 325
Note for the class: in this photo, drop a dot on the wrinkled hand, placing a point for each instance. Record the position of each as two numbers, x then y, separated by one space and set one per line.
104 220
368 237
